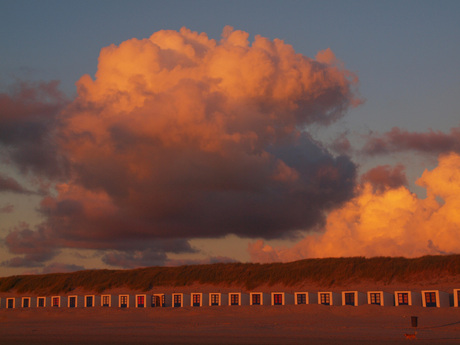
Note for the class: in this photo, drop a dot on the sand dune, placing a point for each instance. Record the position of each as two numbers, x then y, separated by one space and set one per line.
284 325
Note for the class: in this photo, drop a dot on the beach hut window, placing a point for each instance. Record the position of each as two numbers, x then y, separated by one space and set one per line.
430 299
41 302
177 301
403 298
89 301
349 298
123 301
375 298
10 303
105 301
256 299
325 299
140 301
55 302
234 299
72 302
277 299
26 303
196 300
301 298
214 299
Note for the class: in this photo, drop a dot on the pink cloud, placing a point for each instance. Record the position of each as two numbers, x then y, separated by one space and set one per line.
385 176
397 140
7 209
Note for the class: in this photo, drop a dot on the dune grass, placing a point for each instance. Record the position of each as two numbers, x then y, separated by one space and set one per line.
327 272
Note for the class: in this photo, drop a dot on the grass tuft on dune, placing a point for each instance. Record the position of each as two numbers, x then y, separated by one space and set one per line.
327 272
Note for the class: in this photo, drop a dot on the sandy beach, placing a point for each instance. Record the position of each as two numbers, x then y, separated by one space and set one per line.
307 324
289 324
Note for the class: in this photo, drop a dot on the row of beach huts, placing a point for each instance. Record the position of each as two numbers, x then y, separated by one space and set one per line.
425 298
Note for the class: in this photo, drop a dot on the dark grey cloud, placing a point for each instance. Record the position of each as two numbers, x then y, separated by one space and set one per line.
9 184
133 259
61 268
29 121
34 246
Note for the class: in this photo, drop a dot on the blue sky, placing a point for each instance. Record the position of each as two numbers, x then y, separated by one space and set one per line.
405 54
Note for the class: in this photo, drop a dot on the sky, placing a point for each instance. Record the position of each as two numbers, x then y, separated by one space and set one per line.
185 132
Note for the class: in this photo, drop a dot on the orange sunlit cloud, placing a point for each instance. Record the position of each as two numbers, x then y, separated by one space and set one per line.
390 222
181 136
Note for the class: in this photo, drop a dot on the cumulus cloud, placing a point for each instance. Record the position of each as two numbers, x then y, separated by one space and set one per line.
397 140
392 222
28 128
34 246
180 136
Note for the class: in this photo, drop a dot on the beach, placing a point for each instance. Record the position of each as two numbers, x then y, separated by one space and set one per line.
290 324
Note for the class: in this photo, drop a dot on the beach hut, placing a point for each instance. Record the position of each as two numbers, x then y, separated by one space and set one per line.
196 299
215 299
199 299
234 298
353 298
380 298
281 298
300 298
305 298
26 302
73 301
90 301
277 298
435 298
106 300
158 300
11 303
123 301
56 301
409 298
141 301
329 298
259 298
178 300
238 298
456 297
41 302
